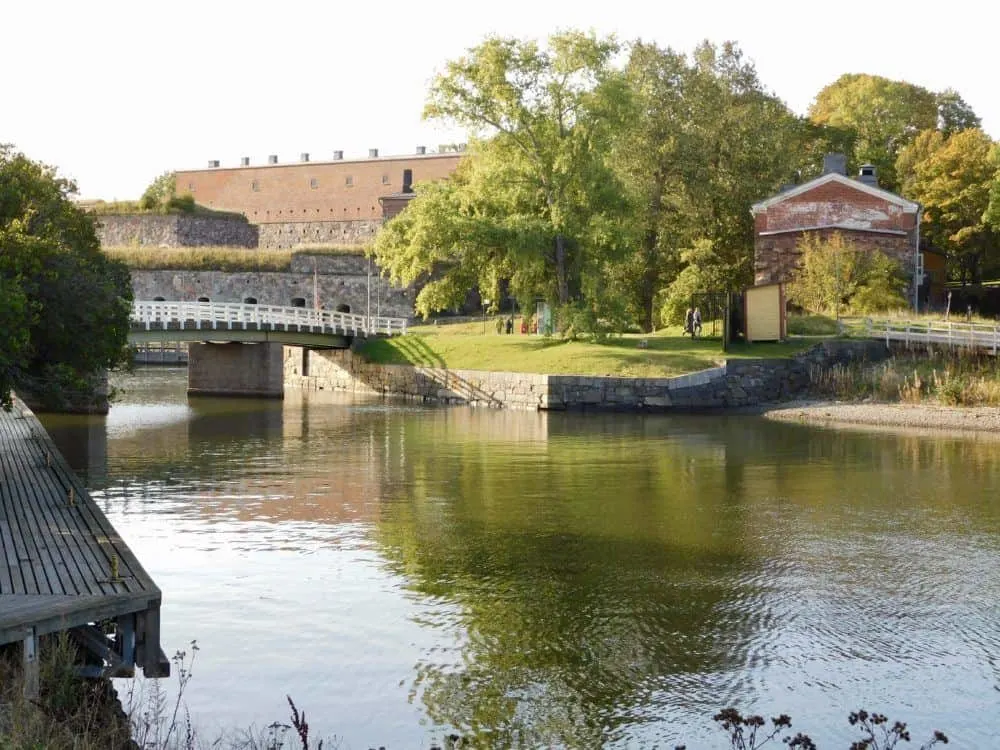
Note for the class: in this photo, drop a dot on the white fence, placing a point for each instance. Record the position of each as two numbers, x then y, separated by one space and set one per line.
235 316
944 333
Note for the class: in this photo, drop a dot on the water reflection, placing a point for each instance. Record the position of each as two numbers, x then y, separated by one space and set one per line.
535 579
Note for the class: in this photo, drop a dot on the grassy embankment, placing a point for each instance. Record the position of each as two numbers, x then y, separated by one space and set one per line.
464 346
214 258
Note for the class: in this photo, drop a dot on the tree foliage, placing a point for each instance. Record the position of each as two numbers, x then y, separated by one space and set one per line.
703 140
835 276
952 177
549 114
884 116
64 304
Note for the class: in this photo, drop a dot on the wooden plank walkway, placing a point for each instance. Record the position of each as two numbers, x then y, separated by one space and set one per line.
62 564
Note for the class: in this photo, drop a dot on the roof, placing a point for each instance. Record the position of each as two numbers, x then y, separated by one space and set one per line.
908 206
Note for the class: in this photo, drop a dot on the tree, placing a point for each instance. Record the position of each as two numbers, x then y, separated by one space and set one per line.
884 115
66 303
703 140
952 177
548 114
159 193
835 276
954 113
992 215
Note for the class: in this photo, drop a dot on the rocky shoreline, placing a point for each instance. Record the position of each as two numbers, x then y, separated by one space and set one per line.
984 420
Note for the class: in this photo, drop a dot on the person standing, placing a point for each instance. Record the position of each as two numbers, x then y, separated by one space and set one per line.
689 321
696 323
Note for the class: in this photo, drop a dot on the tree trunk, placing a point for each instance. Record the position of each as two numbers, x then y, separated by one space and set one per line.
561 276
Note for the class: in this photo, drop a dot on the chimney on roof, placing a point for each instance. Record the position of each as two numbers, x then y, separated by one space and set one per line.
213 163
338 155
272 159
372 153
304 156
421 150
835 164
868 175
244 161
407 181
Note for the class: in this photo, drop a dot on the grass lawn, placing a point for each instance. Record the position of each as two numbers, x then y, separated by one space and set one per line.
464 346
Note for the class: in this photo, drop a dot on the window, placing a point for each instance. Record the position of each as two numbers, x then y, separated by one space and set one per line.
298 301
250 301
255 186
314 183
190 187
385 179
349 180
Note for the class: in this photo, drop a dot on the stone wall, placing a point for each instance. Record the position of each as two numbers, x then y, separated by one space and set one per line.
235 370
738 383
177 230
349 286
275 236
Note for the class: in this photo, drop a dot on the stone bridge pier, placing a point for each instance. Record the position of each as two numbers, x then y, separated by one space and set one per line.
236 369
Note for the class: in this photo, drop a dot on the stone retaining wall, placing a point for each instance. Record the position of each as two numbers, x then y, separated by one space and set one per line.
177 230
280 235
738 383
332 290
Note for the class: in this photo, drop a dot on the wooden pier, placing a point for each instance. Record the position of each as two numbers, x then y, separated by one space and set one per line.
63 567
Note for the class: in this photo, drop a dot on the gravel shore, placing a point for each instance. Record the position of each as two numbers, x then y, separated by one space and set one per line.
980 419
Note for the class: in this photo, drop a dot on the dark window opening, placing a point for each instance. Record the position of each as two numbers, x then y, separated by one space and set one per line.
159 299
255 186
298 301
250 301
314 183
204 299
343 308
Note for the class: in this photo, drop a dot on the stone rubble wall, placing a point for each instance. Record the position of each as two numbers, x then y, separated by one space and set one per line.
738 383
276 288
280 235
175 230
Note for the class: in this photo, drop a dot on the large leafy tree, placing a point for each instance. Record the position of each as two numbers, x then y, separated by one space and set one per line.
884 116
952 177
703 140
540 201
65 306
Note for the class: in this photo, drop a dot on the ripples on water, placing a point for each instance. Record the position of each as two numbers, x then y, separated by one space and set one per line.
553 579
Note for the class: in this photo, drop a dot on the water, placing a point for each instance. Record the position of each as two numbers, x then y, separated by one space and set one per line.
553 579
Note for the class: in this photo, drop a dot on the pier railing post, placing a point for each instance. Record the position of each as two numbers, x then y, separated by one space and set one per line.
29 666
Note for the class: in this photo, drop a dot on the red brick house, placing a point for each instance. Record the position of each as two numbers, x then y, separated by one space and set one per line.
861 211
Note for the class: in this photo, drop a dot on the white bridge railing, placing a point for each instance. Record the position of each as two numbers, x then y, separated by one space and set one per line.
945 333
235 316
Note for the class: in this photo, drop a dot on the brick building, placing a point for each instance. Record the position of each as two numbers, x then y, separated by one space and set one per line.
315 202
861 211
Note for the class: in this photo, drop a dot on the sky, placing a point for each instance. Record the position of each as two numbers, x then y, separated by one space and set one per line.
114 93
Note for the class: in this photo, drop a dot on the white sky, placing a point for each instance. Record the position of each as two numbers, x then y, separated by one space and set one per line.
114 93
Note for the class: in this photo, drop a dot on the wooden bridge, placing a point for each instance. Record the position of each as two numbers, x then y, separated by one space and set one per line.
159 320
982 336
63 567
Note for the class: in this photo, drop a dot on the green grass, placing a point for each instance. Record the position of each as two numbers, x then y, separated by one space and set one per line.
463 346
231 259
117 208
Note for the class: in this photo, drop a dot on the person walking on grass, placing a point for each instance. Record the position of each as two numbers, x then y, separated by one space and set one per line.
689 321
696 323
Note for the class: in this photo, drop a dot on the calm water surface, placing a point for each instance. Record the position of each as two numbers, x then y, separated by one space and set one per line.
553 579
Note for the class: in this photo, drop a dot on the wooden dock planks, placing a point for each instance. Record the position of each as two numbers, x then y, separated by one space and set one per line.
62 564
